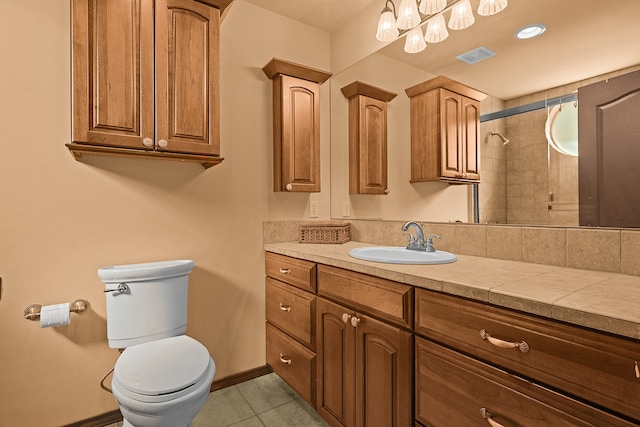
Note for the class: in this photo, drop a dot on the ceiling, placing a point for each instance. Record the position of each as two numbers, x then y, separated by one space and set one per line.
584 38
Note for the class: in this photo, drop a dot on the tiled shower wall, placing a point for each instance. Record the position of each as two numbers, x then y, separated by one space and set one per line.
612 250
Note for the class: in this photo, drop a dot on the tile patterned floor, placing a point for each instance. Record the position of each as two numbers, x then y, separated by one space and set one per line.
266 401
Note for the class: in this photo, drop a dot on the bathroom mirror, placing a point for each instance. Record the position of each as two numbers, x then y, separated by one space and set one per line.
584 40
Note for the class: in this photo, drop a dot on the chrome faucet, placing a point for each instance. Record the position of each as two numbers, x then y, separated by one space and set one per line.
415 243
418 242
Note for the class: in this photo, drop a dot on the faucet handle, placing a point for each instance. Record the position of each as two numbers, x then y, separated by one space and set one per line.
429 243
412 239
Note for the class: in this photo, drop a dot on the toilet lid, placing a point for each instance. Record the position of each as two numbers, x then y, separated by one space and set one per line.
163 366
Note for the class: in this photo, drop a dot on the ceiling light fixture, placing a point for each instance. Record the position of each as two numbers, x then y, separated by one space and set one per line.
530 31
491 7
410 17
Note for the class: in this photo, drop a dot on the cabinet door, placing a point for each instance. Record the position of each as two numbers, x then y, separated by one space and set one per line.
470 141
383 374
113 73
450 134
187 68
335 399
300 135
367 146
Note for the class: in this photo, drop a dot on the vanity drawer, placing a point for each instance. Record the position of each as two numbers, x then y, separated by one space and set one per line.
378 297
296 272
594 366
293 362
292 310
452 389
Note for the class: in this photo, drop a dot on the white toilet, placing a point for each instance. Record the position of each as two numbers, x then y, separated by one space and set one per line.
163 377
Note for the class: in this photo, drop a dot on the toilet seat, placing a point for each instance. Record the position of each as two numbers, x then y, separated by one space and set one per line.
163 370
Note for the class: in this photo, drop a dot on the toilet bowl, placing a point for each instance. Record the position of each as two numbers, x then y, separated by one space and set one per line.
163 383
162 378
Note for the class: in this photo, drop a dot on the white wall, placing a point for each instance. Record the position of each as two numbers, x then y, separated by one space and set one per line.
60 219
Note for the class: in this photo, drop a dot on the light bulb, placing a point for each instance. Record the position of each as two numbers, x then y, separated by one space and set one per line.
414 42
461 16
408 15
436 30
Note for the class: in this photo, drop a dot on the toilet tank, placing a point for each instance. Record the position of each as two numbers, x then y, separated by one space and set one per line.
145 302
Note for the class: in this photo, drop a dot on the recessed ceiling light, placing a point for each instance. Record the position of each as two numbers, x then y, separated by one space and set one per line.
530 31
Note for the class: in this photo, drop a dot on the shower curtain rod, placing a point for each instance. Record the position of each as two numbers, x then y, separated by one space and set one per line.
529 107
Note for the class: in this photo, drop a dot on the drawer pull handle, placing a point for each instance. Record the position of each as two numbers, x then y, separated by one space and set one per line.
285 359
346 317
286 308
522 346
487 416
285 271
637 371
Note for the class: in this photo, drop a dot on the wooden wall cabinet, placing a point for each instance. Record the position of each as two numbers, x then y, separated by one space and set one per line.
445 131
145 79
296 125
367 138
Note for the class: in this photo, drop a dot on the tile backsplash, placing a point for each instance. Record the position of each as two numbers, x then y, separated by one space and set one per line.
601 249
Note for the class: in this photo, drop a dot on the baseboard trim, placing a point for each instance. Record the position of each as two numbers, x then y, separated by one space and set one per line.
241 377
115 416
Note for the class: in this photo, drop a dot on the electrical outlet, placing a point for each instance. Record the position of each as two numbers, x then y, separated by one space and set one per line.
313 209
346 208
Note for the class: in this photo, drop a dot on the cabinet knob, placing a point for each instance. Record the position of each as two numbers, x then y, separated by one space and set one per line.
163 143
285 271
637 371
355 321
285 359
289 187
386 191
346 317
147 142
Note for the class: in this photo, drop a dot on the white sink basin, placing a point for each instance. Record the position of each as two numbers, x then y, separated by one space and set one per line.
401 255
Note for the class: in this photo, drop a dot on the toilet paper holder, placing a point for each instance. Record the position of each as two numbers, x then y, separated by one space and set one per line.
32 312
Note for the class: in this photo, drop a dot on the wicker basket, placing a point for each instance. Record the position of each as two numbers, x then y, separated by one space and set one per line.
324 232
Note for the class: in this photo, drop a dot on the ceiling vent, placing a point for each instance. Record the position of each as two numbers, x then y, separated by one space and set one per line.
476 55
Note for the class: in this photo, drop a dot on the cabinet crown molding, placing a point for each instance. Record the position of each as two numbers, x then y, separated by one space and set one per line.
218 4
277 66
447 83
359 88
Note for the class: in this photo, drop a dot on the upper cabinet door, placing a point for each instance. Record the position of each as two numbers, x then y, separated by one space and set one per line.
187 64
367 138
113 73
296 125
300 134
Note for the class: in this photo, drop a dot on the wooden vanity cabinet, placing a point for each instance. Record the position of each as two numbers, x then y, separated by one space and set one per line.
364 365
296 125
453 389
367 138
145 79
550 364
290 311
445 131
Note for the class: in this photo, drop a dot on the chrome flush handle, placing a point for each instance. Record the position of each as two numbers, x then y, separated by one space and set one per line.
122 288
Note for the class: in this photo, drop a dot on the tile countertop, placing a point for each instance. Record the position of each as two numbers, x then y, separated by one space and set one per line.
604 301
